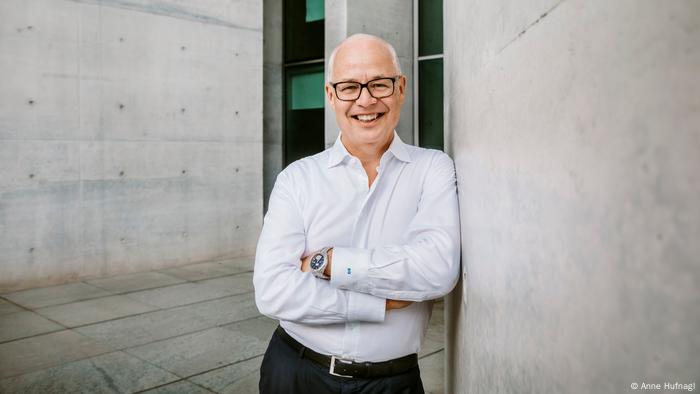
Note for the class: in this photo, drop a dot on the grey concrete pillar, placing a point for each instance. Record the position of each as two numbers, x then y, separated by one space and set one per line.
575 127
273 90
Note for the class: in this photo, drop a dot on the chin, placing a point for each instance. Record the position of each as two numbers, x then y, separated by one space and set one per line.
371 136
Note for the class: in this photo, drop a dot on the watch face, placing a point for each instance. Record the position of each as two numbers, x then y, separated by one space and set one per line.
316 261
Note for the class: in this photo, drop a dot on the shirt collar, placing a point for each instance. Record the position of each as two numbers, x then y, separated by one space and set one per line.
338 153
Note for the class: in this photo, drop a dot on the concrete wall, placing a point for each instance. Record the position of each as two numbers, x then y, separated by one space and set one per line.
130 135
273 99
390 19
575 126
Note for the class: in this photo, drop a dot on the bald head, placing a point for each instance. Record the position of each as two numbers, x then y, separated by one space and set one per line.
357 42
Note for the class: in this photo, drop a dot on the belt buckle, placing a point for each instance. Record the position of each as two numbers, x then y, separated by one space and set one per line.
331 369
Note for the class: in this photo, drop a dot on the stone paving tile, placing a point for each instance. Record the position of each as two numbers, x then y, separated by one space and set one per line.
432 369
93 311
44 351
434 340
435 337
109 373
46 296
180 387
210 270
247 385
438 316
177 340
177 295
260 328
201 351
224 310
8 307
134 282
24 324
141 329
242 377
234 284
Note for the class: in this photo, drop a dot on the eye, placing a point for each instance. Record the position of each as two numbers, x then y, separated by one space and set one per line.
348 88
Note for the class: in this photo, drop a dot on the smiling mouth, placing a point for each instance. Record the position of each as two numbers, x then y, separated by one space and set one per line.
367 118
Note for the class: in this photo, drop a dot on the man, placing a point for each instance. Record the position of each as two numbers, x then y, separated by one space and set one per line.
356 242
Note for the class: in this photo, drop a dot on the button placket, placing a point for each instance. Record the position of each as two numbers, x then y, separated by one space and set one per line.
362 220
360 175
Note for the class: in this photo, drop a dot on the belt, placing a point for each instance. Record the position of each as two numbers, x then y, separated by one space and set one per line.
348 368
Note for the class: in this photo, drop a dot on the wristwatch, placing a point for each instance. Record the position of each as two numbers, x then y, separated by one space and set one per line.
319 261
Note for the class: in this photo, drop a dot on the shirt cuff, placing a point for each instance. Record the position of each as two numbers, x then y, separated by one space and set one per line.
349 269
365 307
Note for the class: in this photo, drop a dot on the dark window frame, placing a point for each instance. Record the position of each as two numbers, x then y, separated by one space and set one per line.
417 60
292 62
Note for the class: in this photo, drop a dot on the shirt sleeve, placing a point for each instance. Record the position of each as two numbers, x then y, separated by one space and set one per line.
282 290
426 266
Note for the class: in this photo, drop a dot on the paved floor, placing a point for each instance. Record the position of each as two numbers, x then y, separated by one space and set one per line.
193 329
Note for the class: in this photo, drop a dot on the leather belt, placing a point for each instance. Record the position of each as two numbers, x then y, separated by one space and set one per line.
348 368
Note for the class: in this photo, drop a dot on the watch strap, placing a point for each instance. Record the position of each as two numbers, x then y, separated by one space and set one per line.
319 272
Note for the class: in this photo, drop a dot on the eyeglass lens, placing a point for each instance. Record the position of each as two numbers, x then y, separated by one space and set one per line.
378 88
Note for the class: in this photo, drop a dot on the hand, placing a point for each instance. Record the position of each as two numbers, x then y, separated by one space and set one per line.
306 263
397 304
327 271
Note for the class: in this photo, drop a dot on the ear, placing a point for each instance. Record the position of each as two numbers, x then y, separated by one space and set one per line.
329 95
402 87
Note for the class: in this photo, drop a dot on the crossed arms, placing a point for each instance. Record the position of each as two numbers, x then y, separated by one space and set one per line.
425 267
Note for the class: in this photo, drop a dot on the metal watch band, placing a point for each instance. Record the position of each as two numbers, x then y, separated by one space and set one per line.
319 272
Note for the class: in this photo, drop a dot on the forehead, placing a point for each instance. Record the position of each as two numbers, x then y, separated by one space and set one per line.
362 60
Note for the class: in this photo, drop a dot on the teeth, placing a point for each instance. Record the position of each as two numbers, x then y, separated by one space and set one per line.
367 118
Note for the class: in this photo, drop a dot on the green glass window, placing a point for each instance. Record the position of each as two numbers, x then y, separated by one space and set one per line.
304 114
429 74
307 90
430 104
303 30
304 79
314 10
429 27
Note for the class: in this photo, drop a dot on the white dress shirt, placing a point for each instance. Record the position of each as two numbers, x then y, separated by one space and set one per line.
398 239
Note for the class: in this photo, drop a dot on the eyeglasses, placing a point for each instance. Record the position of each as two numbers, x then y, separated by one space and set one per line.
377 88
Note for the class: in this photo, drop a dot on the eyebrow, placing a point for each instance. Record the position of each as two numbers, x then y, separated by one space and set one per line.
372 78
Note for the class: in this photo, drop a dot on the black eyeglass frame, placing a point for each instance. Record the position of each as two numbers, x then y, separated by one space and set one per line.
366 86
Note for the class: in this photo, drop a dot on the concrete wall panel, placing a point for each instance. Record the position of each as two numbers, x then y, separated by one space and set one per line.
238 14
184 75
273 83
336 30
577 146
40 229
38 50
140 124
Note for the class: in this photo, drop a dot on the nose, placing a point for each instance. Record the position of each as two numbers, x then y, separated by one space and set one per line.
365 98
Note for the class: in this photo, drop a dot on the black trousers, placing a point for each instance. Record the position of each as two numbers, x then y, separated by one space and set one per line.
284 371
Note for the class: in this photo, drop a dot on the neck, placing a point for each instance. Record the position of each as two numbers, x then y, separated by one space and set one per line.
368 154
